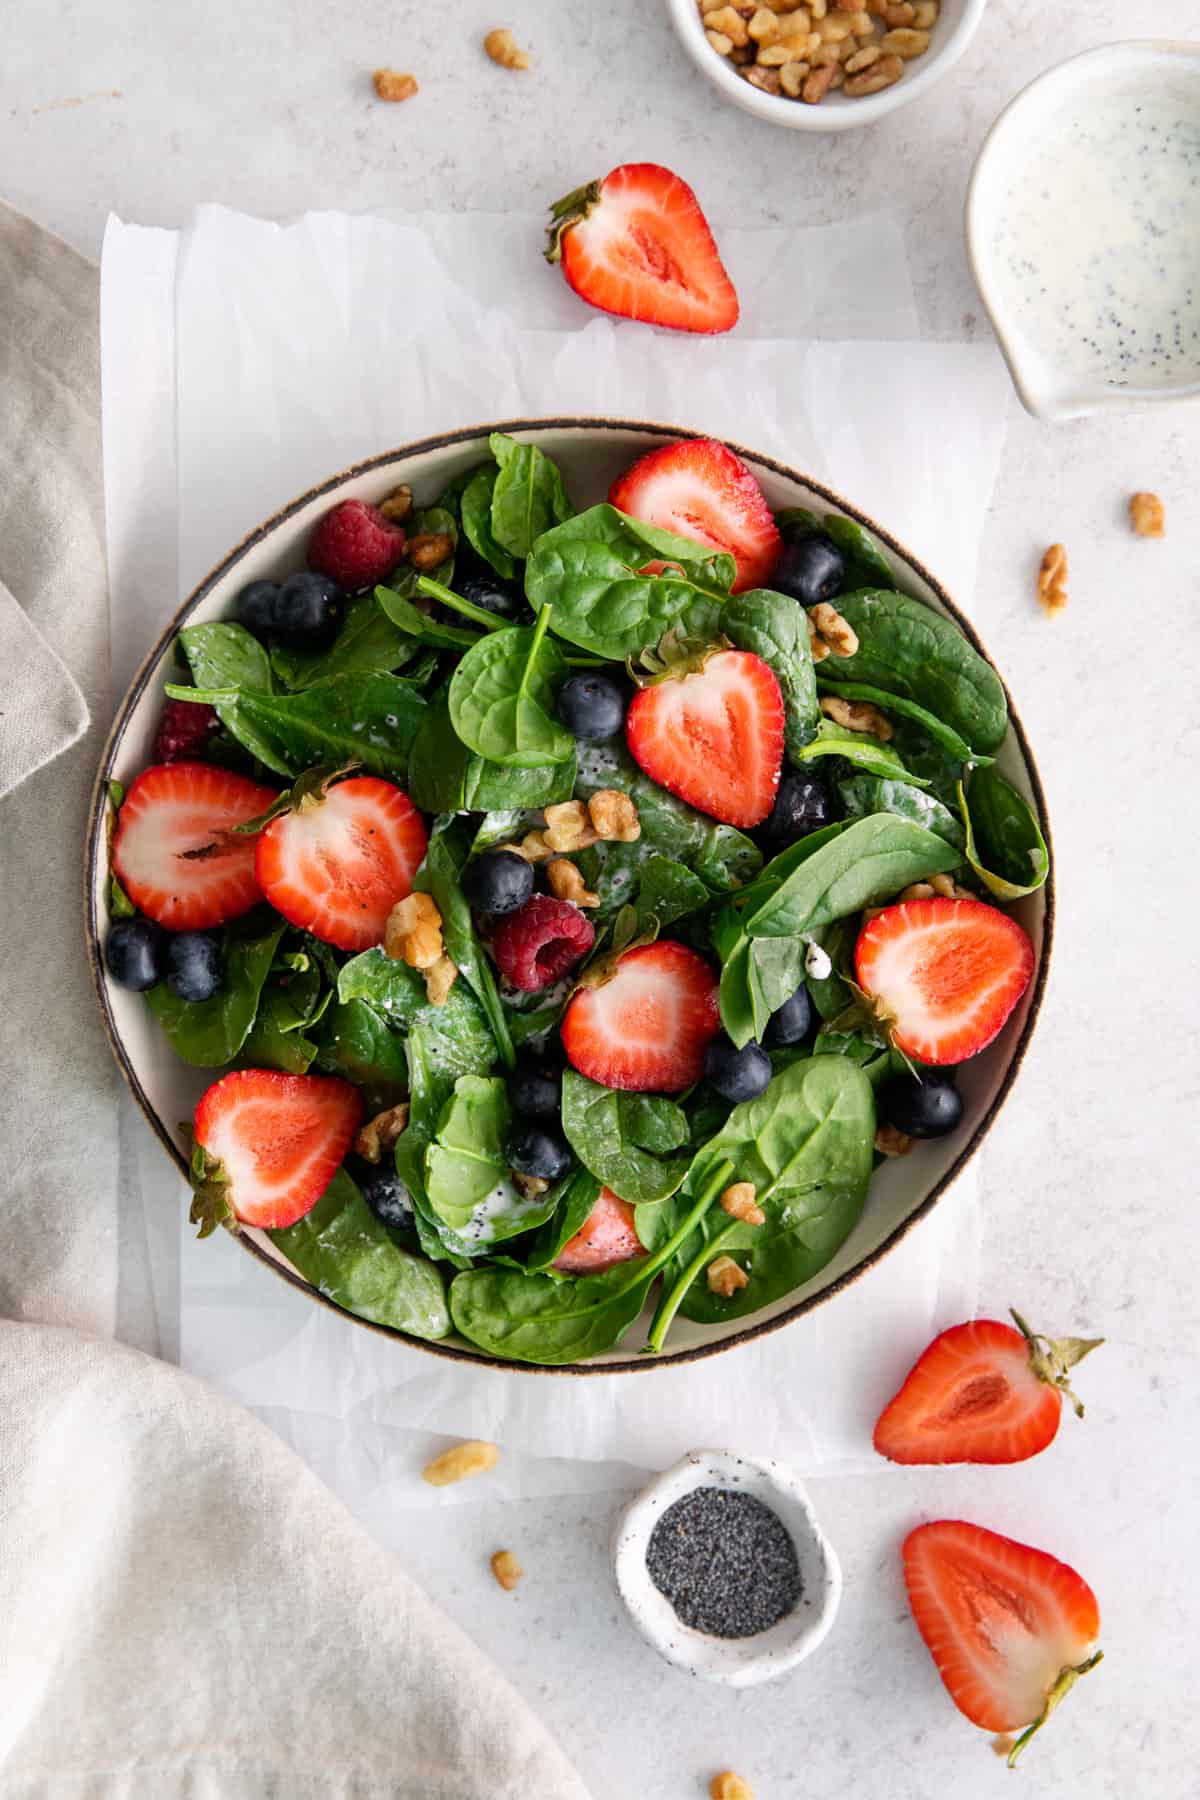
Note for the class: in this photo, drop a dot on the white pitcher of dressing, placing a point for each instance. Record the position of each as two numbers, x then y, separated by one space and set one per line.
1083 230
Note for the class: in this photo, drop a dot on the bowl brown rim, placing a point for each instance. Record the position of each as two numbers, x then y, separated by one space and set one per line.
441 441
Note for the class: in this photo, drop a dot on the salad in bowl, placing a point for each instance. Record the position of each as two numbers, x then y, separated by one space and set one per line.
566 907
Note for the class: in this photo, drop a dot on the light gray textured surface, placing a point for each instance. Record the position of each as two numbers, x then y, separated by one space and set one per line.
1089 1184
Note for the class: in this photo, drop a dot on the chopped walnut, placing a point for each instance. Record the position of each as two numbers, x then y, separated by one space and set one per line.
764 26
568 826
862 59
807 49
725 1277
857 715
1146 515
382 1132
729 23
460 1461
791 78
533 847
413 933
916 890
739 1202
501 46
835 634
943 886
530 1187
614 816
818 83
765 79
440 977
430 549
1052 579
720 43
398 504
390 85
728 1786
882 74
890 1142
905 43
899 13
506 1569
566 883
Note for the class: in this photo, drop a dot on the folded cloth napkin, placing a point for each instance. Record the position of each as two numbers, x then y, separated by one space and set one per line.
184 1610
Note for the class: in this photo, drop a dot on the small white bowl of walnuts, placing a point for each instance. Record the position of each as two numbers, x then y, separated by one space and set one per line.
824 65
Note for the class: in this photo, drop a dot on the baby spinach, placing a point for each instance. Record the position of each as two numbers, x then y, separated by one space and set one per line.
1005 846
544 1319
744 1009
476 514
370 718
941 733
721 856
866 565
506 826
445 776
528 496
367 640
274 1041
457 1035
860 748
625 1139
209 1033
906 648
666 891
120 906
355 1042
869 861
225 655
759 974
434 633
468 1178
440 875
450 498
348 1255
775 628
576 1197
863 795
502 698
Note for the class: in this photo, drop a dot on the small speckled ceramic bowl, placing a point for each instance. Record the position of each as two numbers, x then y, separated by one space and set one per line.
735 1662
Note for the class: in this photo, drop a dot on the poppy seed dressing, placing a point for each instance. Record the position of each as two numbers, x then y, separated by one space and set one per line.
726 1563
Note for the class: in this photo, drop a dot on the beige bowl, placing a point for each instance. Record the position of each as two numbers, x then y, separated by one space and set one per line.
591 453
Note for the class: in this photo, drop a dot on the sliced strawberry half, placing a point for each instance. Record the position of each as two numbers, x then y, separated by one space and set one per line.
269 1145
175 851
699 489
945 974
340 860
983 1393
1010 1628
606 1238
713 736
647 1026
637 244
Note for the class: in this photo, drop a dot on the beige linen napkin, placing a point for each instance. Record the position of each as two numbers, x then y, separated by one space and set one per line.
184 1609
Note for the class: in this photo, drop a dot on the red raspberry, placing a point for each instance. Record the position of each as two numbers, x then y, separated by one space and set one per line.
536 945
184 731
356 545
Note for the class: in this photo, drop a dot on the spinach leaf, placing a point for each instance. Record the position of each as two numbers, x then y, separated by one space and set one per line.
528 496
350 1256
357 1043
476 513
502 698
487 785
274 1041
209 1033
1005 846
807 1144
625 1139
367 640
866 794
720 855
876 1061
830 993
775 628
533 1022
576 1197
866 565
450 498
435 633
440 875
943 734
544 1319
456 1035
120 906
667 891
744 1009
468 1178
226 656
861 749
758 975
906 648
370 718
506 826
429 1088
868 861
444 776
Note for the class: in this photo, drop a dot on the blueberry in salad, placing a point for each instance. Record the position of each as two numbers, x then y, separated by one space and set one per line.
518 936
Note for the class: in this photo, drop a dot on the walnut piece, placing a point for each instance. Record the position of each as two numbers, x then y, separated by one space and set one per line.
382 1132
857 715
461 1461
905 43
944 886
765 79
890 1142
728 1786
390 85
836 635
440 977
506 1569
568 827
530 1187
398 504
791 78
729 23
413 933
1052 579
882 74
725 1277
818 83
764 26
720 43
1146 515
566 883
533 847
430 549
501 46
614 816
739 1202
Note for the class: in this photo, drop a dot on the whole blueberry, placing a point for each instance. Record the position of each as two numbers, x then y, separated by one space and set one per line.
308 612
792 1022
256 608
737 1074
195 965
383 1191
535 1087
591 706
802 805
810 569
926 1105
134 952
491 592
498 882
533 1150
